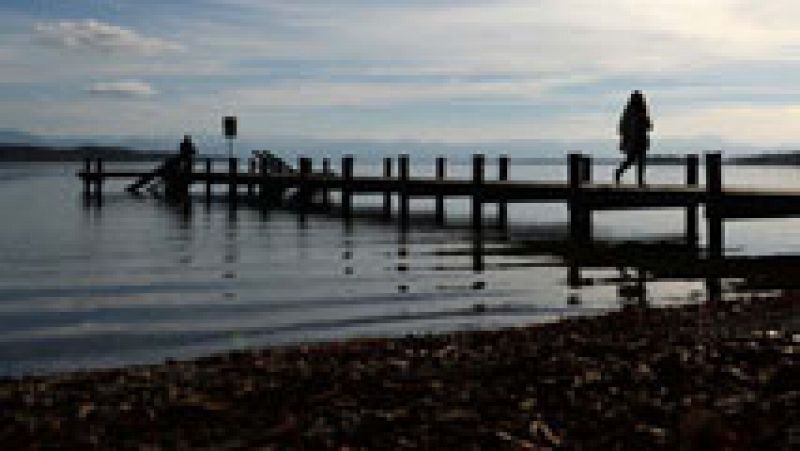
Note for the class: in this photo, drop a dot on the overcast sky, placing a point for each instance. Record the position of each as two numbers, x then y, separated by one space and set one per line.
435 70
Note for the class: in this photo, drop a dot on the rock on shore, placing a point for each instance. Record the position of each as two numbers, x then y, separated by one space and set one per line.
725 376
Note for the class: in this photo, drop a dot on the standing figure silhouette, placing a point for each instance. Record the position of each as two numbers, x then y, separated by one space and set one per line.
634 141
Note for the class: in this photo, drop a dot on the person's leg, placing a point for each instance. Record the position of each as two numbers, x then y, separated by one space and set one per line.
641 166
623 167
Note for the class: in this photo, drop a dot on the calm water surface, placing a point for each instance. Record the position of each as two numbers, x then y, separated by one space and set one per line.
138 281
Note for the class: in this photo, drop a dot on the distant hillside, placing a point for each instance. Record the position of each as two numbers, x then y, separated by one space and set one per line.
23 152
772 159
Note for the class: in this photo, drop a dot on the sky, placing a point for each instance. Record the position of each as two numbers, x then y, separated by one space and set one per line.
445 71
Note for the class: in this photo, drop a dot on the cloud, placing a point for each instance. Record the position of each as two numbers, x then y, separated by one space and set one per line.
441 69
327 94
122 88
98 36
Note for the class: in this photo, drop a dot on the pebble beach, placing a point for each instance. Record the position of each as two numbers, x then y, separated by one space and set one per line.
711 376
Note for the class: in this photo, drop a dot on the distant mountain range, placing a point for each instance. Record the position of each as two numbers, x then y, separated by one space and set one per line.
18 145
23 152
769 159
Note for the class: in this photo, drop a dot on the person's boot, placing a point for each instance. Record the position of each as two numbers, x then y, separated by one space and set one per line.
617 176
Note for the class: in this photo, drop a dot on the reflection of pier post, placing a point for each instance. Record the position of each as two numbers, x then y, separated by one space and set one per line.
403 177
478 166
387 195
441 173
477 250
580 216
692 180
347 186
502 206
574 275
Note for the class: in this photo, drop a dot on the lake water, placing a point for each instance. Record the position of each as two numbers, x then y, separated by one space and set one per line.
138 281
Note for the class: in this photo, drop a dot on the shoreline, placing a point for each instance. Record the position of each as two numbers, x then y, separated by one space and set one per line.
640 378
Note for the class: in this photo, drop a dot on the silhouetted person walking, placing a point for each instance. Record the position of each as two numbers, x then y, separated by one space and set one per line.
634 142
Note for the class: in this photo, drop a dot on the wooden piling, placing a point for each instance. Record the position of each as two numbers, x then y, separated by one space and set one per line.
208 180
387 195
263 192
325 192
403 177
251 170
713 204
233 166
692 180
586 177
186 179
586 169
347 182
478 168
579 216
441 173
304 191
502 206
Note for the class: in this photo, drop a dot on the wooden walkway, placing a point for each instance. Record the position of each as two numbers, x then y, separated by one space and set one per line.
579 192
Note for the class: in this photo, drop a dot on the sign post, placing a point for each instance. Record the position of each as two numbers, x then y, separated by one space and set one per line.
229 130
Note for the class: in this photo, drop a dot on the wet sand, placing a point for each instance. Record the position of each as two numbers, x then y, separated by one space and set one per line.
690 377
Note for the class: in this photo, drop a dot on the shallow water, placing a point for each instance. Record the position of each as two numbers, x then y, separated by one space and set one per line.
139 281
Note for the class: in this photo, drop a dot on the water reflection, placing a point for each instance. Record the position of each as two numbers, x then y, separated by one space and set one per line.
141 280
642 262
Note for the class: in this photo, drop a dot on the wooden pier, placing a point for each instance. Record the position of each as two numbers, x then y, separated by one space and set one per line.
267 181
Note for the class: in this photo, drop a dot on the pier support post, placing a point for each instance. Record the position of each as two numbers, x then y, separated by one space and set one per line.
387 195
251 171
692 180
586 169
403 177
303 191
714 204
586 177
208 180
580 217
187 175
478 167
502 206
715 231
98 181
233 185
441 174
87 181
325 191
347 181
262 182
